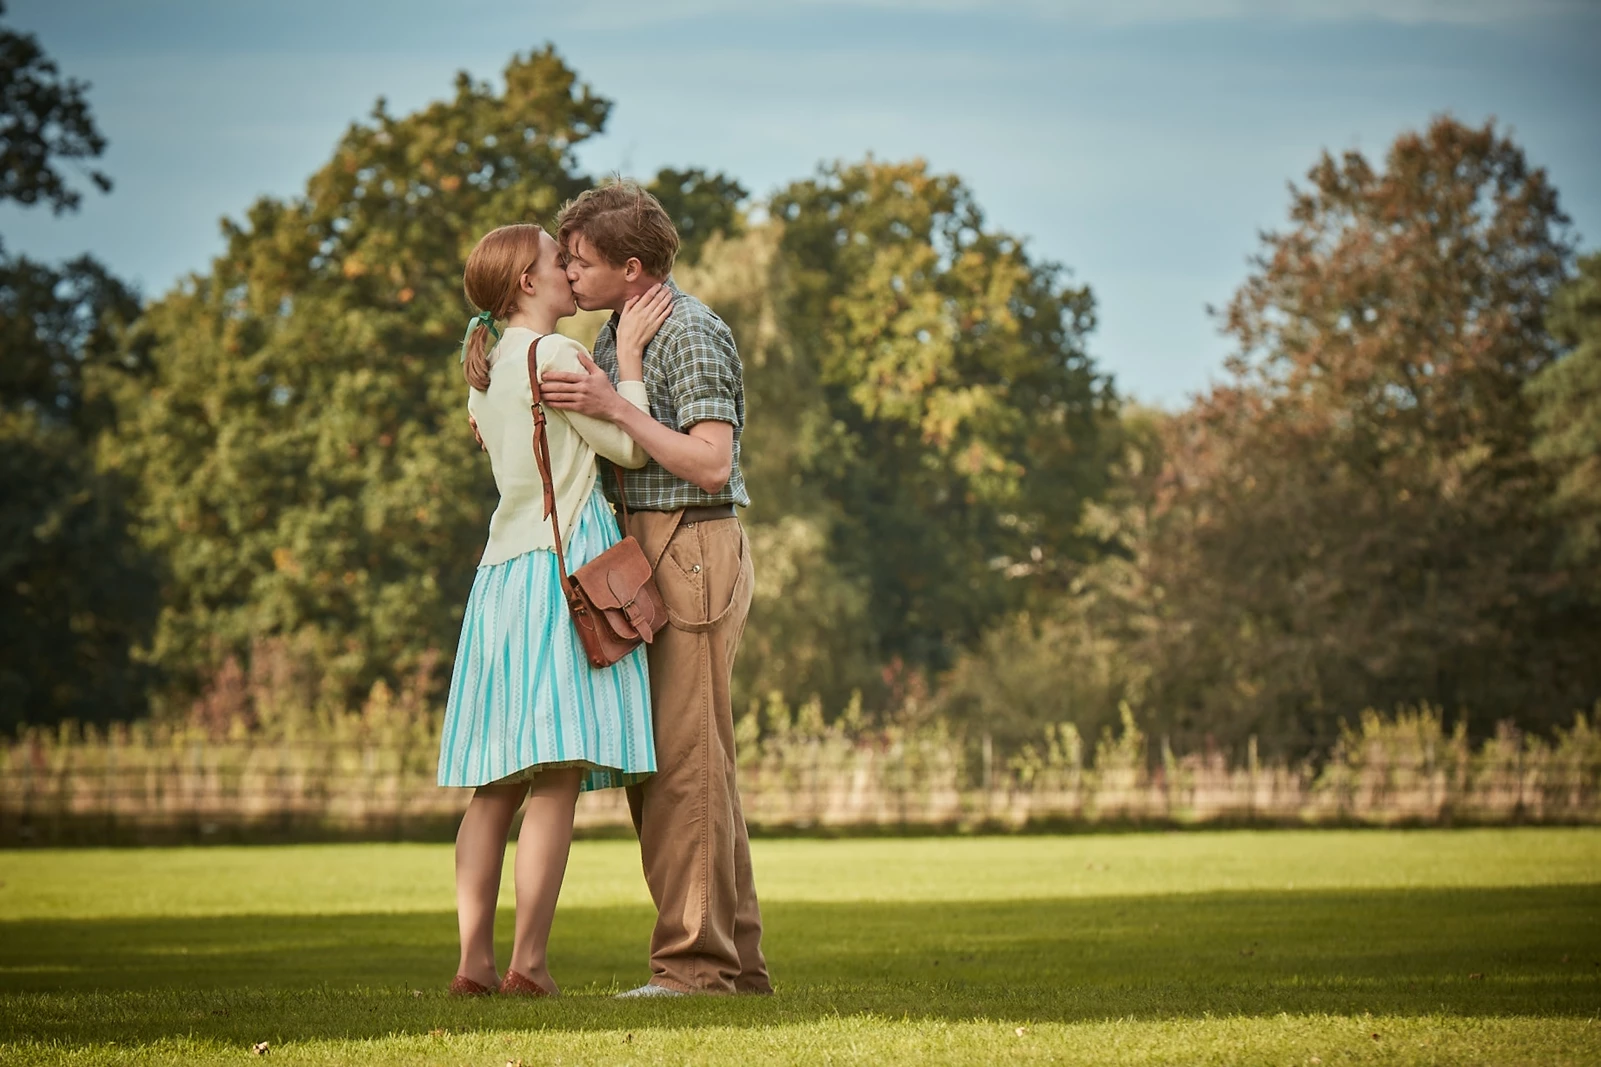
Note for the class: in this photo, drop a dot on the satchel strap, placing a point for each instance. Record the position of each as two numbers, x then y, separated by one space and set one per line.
542 458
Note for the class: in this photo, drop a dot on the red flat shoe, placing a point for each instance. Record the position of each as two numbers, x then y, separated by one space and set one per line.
516 984
462 986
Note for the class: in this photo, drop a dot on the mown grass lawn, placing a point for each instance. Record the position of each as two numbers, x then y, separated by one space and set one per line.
1321 947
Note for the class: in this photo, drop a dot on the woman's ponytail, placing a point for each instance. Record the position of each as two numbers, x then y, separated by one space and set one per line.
475 356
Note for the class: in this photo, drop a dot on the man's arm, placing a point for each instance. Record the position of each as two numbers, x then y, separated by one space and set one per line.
704 455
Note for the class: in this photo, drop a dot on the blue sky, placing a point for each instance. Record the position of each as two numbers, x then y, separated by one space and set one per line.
1142 144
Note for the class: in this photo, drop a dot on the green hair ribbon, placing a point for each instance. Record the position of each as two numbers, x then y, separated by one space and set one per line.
483 318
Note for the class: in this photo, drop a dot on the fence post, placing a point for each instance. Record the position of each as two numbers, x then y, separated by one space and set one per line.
1253 768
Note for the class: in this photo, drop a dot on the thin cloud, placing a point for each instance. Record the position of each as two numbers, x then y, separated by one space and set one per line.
1121 13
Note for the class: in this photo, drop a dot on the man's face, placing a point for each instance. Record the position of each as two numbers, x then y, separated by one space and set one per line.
597 285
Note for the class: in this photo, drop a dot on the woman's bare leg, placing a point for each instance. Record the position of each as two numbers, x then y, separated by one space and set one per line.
480 853
542 847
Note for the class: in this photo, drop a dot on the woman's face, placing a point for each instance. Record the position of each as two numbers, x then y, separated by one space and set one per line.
548 279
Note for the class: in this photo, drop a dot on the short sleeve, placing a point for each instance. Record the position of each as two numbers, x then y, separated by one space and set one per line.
703 375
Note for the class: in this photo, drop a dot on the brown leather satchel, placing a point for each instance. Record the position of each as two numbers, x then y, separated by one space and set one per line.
613 598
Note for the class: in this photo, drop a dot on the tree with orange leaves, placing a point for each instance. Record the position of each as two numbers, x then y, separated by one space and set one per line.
1354 518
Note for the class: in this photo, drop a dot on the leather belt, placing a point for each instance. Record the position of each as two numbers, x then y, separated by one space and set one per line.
707 513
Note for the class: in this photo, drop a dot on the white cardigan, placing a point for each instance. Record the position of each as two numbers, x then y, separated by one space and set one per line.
506 423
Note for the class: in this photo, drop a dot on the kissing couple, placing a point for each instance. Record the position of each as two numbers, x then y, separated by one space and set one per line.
528 717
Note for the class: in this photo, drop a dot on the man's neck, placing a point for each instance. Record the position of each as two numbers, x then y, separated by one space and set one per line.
639 288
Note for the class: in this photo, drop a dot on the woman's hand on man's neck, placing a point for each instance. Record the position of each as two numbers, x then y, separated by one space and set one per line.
638 287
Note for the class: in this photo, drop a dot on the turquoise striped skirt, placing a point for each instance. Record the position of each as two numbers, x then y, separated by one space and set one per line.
523 695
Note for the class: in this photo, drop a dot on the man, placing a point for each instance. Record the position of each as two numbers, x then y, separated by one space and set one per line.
619 244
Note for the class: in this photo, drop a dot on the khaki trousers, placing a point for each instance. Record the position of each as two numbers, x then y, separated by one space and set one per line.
691 829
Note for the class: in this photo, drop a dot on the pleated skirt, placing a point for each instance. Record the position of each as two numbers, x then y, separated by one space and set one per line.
523 696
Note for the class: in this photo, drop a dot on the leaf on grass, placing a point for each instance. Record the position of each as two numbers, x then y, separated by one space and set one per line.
436 1032
416 992
1475 977
1021 1030
260 1048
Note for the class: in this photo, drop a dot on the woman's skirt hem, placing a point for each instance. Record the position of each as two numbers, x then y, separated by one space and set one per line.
598 777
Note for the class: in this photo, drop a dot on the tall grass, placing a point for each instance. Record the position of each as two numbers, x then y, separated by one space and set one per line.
373 778
250 764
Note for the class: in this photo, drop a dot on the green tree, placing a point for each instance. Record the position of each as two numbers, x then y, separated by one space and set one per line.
63 330
869 475
1352 519
957 430
1079 655
701 204
76 594
809 632
1567 395
44 122
302 456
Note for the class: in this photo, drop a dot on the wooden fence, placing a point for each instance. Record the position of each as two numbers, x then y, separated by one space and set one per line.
148 784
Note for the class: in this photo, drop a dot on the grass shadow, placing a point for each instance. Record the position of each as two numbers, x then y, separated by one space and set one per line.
1530 951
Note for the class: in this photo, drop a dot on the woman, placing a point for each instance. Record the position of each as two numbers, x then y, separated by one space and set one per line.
527 716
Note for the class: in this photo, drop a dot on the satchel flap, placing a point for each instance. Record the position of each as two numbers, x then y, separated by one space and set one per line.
615 577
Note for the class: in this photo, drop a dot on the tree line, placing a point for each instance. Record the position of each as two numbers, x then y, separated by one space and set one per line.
1394 495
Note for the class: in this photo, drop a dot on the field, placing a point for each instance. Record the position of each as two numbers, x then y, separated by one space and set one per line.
1316 947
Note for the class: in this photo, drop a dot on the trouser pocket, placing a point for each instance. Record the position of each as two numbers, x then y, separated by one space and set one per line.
705 574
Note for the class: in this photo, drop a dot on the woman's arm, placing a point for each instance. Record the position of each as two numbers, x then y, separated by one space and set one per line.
606 438
702 455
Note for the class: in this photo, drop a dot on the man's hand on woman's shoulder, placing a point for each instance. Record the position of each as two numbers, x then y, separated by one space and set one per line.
587 391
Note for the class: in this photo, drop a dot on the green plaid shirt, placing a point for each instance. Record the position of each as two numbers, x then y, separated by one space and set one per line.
692 374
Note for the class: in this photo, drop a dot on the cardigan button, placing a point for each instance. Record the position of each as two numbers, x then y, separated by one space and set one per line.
695 569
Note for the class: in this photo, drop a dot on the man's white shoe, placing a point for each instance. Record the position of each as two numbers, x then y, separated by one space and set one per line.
648 990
